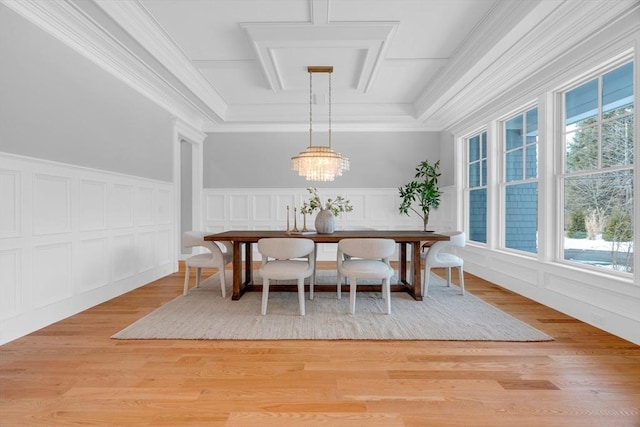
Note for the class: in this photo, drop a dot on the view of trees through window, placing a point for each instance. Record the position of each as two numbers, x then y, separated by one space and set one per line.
598 175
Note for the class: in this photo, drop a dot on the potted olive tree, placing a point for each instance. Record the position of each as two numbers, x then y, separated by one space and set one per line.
423 192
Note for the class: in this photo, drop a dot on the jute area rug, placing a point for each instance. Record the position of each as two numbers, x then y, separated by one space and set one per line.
443 315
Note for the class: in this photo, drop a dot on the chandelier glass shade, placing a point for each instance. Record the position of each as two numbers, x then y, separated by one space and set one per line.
319 162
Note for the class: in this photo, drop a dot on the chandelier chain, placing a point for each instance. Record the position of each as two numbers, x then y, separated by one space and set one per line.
310 109
330 109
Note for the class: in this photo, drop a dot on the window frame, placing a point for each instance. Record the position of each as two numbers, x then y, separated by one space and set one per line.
561 173
485 185
503 183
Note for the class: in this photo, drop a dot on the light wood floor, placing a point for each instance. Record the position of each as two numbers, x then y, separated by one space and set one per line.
72 373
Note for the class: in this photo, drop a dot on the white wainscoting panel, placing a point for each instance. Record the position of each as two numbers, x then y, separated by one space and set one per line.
144 206
51 204
10 208
602 300
123 254
10 296
73 237
93 259
214 208
121 206
52 273
165 206
145 251
266 209
239 207
93 204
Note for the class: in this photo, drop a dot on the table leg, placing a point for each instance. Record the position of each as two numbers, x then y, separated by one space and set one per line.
248 260
416 280
237 270
239 287
403 262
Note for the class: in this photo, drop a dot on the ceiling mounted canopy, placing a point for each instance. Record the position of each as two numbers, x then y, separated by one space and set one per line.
318 162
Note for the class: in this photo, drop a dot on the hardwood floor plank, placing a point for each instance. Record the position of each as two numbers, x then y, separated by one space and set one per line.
72 373
305 419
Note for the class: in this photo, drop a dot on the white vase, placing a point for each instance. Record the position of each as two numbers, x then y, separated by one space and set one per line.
325 222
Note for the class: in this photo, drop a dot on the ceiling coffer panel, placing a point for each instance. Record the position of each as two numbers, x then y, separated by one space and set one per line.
285 50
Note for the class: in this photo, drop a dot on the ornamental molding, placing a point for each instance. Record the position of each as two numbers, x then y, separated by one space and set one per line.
79 29
543 40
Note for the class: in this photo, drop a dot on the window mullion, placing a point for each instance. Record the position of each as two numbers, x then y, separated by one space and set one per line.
599 124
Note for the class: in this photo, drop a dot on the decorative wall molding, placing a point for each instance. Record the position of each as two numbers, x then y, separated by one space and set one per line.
73 237
542 42
86 32
604 301
138 22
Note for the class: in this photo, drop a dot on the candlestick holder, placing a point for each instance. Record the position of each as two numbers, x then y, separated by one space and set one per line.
304 222
288 231
295 220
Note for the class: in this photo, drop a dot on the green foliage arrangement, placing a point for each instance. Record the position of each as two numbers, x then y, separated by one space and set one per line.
423 191
336 206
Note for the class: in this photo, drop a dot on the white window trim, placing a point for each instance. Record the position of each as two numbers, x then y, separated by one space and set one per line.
502 178
559 173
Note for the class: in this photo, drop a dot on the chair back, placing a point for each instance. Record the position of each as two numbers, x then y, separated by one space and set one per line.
285 247
194 239
456 238
367 248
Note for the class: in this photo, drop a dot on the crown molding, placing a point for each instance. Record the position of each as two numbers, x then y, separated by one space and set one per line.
299 113
187 131
614 44
377 126
139 23
73 26
487 42
539 41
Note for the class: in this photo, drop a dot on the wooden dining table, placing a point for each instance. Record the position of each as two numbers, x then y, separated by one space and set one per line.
405 238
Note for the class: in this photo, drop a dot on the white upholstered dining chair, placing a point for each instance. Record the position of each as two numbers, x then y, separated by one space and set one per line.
435 257
285 258
366 258
216 257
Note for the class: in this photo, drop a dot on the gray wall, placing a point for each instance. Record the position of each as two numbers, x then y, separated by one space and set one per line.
57 105
262 160
447 159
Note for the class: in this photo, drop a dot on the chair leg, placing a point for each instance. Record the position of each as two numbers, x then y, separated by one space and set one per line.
352 294
339 286
265 295
311 284
461 278
301 296
425 281
186 280
448 273
223 285
198 276
387 290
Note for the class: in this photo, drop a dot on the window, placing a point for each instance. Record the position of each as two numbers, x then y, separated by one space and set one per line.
597 180
521 182
477 187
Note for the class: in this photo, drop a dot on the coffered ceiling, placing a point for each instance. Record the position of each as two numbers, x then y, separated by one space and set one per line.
253 54
229 65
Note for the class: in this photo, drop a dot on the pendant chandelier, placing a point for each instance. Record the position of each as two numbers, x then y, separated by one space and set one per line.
319 162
